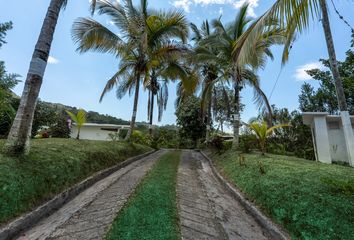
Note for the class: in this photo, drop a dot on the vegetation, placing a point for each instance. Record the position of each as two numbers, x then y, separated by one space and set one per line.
311 200
151 213
189 119
79 119
52 166
324 98
262 132
146 47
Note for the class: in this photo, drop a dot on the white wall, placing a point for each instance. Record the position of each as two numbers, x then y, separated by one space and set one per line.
91 133
337 145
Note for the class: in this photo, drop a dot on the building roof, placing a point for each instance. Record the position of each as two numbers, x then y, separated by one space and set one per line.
307 117
104 125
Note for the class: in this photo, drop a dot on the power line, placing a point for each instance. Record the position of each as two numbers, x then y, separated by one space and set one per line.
275 84
341 16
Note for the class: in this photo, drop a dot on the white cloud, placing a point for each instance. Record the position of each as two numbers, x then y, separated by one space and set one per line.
301 74
185 4
182 4
221 11
52 60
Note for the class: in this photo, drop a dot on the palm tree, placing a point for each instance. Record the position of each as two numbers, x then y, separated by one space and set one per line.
208 70
295 16
142 32
79 119
241 73
262 132
18 138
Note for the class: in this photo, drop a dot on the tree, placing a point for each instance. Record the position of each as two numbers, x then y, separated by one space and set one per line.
189 120
208 70
262 132
241 73
295 17
8 101
324 98
18 139
4 27
144 32
79 119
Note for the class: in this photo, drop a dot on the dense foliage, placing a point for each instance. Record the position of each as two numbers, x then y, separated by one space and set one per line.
192 128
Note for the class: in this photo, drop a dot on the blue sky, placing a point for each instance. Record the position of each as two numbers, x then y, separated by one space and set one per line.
78 79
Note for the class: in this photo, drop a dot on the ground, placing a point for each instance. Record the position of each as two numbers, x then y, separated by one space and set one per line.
175 194
52 166
311 200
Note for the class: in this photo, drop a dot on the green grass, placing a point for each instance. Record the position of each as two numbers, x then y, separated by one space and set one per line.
311 200
52 166
152 211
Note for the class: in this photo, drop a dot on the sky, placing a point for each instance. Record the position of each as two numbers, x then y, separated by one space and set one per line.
77 79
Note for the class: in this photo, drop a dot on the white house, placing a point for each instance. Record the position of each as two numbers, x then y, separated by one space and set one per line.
94 131
331 142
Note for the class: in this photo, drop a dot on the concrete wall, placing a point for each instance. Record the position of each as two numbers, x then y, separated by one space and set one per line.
91 133
337 145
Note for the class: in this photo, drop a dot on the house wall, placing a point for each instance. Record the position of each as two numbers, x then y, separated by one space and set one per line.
337 145
91 133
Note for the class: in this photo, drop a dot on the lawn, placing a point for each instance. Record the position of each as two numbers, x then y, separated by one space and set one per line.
311 200
52 166
151 213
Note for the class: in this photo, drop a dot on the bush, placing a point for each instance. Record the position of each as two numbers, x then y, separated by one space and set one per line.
247 142
217 143
60 129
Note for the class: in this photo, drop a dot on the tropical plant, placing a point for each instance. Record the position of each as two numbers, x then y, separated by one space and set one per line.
79 119
189 120
295 17
262 132
143 44
18 138
208 70
241 73
324 98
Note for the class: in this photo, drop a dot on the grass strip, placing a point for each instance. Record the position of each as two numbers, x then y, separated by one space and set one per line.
52 166
311 200
152 211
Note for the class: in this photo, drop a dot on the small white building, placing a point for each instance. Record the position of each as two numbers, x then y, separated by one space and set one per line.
331 142
95 131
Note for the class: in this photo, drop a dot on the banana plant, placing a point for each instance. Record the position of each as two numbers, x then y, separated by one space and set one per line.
79 119
262 132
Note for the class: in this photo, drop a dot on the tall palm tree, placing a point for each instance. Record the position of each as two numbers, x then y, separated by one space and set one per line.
18 138
295 16
208 70
143 31
241 73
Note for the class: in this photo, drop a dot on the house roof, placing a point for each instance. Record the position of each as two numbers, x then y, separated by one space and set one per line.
104 125
308 117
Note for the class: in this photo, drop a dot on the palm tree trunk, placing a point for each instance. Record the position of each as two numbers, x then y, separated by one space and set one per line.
208 123
18 139
135 107
342 103
151 112
236 117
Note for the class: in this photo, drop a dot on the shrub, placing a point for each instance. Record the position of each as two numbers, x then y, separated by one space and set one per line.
247 141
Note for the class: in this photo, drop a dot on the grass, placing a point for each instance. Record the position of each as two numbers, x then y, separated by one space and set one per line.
52 166
311 200
152 211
